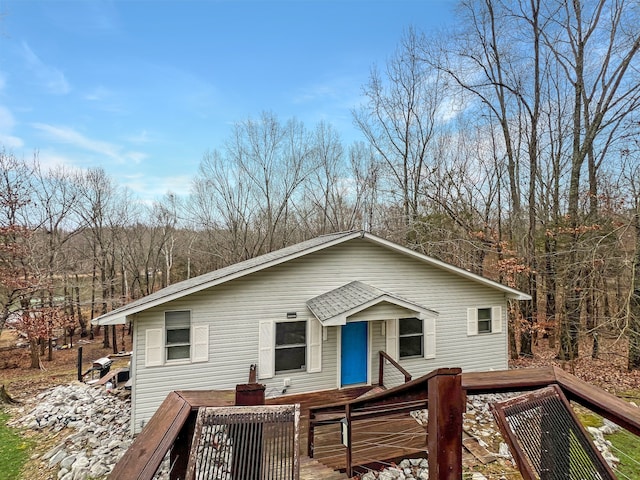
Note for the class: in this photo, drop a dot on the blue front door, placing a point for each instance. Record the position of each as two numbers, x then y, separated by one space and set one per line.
354 353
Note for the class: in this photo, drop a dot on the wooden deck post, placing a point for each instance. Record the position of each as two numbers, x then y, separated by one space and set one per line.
79 364
445 424
349 466
310 434
250 394
179 453
247 394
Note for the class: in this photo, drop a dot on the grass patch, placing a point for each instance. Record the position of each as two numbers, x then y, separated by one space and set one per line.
14 450
626 447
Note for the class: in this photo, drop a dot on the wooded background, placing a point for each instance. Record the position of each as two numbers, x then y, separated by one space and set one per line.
510 148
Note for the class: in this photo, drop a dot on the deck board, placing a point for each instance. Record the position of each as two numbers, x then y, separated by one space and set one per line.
390 437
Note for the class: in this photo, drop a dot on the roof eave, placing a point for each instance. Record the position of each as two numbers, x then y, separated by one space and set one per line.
510 292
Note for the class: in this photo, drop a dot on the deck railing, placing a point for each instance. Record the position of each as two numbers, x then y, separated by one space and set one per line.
385 358
444 392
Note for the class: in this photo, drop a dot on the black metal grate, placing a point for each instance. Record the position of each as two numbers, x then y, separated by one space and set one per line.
245 443
547 440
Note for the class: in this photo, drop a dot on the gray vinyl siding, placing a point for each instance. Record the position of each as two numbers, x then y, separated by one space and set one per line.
234 309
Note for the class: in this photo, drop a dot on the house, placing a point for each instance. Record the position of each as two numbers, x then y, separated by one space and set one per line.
312 317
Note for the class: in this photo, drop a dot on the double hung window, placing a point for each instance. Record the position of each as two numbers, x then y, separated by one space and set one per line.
177 326
291 346
411 337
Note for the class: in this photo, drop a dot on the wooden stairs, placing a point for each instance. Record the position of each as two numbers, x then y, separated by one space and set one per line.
311 469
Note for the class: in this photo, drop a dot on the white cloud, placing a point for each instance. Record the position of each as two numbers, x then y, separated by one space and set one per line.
98 94
50 77
69 136
450 109
6 119
51 160
149 187
141 137
7 122
136 157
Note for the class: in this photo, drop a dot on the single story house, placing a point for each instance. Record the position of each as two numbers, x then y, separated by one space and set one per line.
312 317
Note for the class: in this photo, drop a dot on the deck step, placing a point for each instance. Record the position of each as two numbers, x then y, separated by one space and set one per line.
311 469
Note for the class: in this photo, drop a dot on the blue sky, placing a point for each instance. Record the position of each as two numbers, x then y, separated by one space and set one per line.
145 88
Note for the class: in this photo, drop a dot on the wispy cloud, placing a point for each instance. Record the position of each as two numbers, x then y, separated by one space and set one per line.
50 77
74 138
339 90
7 123
150 187
140 138
50 159
98 94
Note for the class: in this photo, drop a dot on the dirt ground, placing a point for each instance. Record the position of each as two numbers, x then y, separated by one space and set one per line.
22 382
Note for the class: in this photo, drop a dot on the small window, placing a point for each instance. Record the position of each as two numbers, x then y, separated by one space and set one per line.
484 320
291 346
178 334
411 337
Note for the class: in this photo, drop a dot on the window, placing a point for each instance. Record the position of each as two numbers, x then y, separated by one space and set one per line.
484 320
178 334
410 337
291 346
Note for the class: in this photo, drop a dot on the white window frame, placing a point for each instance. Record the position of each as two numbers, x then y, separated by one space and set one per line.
156 345
473 322
267 347
401 336
181 326
276 347
392 336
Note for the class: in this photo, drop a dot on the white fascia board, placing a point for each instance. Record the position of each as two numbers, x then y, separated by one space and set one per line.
113 320
510 292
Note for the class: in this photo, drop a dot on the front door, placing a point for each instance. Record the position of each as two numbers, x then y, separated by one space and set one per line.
354 348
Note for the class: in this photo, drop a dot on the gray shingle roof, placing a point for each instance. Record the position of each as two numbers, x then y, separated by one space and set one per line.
217 276
351 298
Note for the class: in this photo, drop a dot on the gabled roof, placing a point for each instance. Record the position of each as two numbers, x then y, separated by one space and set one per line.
333 307
237 270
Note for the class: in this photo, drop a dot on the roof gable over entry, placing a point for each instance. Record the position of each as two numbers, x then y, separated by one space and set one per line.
333 307
247 267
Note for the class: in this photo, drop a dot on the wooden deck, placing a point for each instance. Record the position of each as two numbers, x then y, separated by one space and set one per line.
381 425
374 440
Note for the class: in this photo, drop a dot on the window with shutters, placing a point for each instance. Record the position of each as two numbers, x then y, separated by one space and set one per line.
411 337
177 326
484 320
291 346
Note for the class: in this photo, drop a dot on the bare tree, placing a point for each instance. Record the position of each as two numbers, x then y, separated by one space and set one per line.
400 119
596 45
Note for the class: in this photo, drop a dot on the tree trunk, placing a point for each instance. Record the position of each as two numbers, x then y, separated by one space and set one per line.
35 354
114 338
5 398
81 321
634 303
105 338
513 344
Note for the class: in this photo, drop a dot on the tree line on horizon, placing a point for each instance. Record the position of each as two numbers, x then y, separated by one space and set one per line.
509 147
